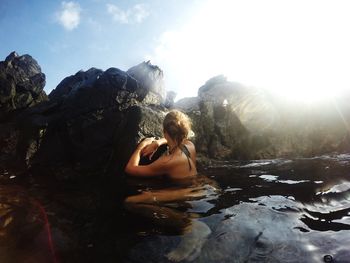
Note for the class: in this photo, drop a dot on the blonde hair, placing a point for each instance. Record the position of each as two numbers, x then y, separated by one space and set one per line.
177 125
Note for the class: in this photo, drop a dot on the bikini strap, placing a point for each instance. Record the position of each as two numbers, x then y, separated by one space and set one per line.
185 150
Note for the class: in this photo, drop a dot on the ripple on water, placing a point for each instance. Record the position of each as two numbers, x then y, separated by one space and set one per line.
264 212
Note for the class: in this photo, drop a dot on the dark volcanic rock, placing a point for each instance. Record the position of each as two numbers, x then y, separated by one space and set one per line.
92 123
71 84
21 87
94 119
21 83
218 131
234 121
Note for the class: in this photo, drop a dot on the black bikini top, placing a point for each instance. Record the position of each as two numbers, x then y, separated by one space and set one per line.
185 150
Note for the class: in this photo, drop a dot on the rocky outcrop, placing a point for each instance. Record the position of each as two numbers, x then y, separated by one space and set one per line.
219 133
21 87
90 124
21 84
151 82
93 121
234 121
170 99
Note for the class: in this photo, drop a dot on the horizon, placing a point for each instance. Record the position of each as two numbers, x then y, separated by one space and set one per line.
296 50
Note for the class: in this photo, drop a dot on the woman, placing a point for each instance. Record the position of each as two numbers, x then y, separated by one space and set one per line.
179 163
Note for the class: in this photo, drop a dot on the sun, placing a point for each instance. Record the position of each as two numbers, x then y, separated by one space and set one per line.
296 49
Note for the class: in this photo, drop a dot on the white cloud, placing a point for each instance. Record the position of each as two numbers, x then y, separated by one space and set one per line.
69 15
133 15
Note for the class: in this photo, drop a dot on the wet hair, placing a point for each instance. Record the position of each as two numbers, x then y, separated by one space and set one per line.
177 125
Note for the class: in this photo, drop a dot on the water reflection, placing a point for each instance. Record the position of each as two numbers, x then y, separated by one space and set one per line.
175 209
274 211
257 211
25 234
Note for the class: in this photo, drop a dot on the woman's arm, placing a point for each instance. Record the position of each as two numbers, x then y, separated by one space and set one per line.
151 148
158 167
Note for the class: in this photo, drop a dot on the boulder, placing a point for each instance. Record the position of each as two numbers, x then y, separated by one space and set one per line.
151 82
21 84
235 121
69 85
170 99
188 104
218 131
21 88
91 124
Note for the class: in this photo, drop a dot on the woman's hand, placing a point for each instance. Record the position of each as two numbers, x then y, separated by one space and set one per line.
150 149
144 143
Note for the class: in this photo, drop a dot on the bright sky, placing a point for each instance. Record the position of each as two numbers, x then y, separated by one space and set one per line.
299 48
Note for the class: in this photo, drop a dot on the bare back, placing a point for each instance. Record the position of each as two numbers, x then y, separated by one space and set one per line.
182 163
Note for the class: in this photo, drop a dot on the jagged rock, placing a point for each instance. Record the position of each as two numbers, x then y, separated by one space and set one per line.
93 121
21 87
234 121
189 104
21 83
152 83
95 118
71 84
218 131
170 99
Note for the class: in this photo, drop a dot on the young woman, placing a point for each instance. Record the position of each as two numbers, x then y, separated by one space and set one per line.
180 160
179 165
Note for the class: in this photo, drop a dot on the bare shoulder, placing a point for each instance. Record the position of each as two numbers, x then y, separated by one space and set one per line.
189 144
191 147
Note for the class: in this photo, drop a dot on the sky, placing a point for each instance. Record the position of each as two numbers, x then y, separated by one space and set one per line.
298 49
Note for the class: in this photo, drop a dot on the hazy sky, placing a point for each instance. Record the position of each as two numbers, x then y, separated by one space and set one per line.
297 48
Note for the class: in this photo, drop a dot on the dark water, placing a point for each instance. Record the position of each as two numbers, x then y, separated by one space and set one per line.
258 211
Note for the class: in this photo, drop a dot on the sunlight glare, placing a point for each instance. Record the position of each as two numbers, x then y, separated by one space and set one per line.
297 49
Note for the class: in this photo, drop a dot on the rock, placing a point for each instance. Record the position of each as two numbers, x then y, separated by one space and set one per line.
10 57
218 131
71 84
152 83
170 99
101 140
21 87
91 124
190 104
234 121
94 119
21 84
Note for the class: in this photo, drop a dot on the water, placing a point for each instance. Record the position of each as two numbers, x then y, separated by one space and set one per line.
255 211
